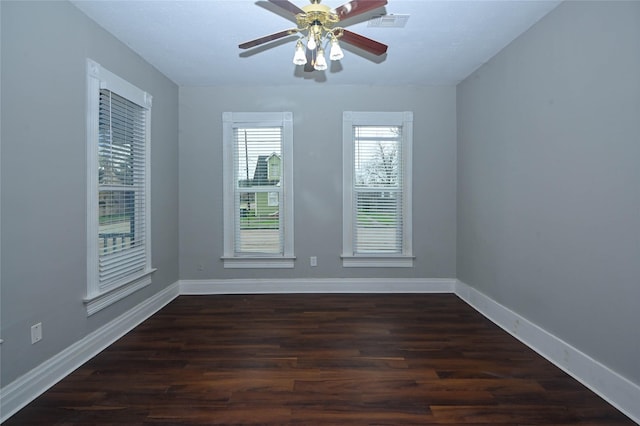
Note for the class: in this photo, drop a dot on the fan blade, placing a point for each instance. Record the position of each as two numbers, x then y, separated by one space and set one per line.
357 7
267 38
287 5
363 42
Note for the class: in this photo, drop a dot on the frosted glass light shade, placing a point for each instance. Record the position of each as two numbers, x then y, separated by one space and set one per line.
311 43
321 62
336 51
299 57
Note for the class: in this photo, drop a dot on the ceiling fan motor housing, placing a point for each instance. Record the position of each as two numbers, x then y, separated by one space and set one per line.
316 14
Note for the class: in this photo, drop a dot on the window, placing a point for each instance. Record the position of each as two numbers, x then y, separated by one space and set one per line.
377 189
258 190
273 199
118 221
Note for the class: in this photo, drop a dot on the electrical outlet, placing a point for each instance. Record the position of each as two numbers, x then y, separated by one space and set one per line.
36 333
313 261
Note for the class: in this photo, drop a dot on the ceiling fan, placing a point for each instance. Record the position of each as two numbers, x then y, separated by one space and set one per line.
316 26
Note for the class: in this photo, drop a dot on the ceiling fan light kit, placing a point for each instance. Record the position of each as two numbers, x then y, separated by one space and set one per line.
316 28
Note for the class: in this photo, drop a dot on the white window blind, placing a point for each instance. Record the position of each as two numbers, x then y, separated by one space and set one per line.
257 223
376 202
377 189
121 188
258 191
118 188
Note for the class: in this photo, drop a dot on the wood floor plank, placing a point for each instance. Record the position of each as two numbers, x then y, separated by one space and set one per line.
313 359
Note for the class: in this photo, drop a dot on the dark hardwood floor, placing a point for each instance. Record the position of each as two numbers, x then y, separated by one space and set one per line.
318 359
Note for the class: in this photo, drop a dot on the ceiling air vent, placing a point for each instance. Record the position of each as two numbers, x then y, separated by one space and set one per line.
389 21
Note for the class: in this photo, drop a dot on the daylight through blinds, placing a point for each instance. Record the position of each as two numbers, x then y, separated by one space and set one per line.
377 189
121 179
258 190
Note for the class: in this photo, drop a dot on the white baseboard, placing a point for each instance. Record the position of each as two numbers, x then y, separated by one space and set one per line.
318 285
28 387
613 388
609 385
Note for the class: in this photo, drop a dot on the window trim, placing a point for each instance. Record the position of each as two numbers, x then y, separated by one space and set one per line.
363 118
98 298
276 119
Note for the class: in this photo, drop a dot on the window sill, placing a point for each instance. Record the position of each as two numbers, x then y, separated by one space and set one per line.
100 301
258 262
377 261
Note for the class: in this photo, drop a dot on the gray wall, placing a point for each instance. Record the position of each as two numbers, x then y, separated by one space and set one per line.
548 179
317 115
44 49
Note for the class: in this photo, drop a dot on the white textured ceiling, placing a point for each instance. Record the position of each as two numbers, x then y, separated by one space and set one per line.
195 43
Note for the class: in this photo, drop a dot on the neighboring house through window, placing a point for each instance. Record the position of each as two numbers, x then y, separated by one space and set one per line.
118 216
258 190
377 189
